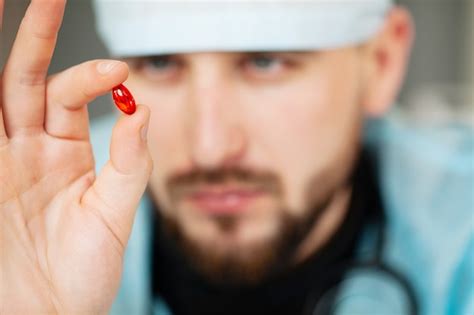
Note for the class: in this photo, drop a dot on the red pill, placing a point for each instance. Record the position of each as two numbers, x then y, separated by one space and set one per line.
124 99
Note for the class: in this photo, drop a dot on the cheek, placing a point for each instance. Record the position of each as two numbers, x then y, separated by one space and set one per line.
166 139
305 130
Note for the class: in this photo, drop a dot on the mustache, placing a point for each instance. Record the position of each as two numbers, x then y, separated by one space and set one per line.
180 185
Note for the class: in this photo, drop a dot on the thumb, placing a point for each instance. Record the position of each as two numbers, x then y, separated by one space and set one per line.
117 190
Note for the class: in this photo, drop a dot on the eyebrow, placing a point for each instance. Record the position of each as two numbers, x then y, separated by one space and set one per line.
279 52
237 53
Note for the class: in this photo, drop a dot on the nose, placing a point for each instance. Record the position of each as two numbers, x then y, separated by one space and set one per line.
217 138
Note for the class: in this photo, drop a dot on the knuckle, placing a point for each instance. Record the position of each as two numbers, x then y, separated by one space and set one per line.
32 78
32 73
45 34
3 140
149 165
87 80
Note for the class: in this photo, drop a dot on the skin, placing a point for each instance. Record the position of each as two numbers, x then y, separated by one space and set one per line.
227 111
63 229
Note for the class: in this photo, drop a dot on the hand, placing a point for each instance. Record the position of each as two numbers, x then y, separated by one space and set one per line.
63 230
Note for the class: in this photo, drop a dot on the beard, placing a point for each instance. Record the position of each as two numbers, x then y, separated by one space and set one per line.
250 263
240 264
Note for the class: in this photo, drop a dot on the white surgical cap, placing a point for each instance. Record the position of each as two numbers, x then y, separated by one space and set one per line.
151 27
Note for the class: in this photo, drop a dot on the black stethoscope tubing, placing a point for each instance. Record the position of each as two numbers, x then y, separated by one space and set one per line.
374 264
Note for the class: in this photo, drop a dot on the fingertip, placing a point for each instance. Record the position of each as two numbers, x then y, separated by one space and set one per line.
144 129
140 120
143 111
49 13
128 149
116 69
140 117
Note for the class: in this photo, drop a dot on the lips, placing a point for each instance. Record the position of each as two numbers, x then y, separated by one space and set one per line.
220 201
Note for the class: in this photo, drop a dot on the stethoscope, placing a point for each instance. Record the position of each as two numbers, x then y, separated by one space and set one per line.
327 301
334 301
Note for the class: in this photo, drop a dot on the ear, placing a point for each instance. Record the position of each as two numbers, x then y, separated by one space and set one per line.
385 62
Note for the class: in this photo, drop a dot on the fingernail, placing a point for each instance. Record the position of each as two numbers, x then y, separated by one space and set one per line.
104 67
144 132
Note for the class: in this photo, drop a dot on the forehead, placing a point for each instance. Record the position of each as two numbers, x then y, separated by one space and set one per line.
133 27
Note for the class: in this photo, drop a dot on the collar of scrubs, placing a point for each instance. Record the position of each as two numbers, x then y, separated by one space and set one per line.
296 290
426 181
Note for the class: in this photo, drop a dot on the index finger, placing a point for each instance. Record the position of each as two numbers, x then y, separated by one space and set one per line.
24 77
2 127
1 14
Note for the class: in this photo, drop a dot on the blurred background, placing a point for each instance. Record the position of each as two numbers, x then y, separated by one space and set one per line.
440 78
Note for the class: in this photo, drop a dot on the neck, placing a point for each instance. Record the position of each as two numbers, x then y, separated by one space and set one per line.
331 218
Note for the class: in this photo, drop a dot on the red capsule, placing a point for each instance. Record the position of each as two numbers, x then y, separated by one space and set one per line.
124 99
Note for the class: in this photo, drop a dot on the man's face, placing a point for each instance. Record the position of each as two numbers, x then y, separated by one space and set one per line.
248 149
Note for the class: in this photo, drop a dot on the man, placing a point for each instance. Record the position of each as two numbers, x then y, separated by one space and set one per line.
262 198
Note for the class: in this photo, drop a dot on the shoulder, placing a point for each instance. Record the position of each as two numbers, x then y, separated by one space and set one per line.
426 175
426 167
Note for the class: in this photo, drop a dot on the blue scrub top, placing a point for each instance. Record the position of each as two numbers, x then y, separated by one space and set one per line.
427 184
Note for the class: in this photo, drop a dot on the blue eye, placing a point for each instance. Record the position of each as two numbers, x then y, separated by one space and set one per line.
265 66
265 62
159 62
158 68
